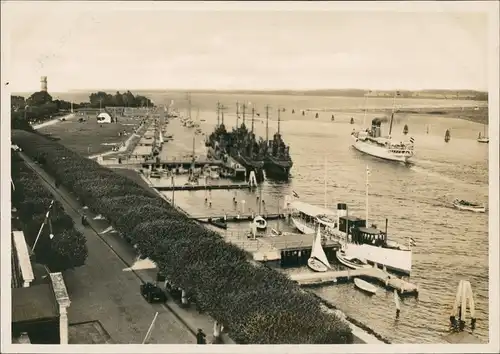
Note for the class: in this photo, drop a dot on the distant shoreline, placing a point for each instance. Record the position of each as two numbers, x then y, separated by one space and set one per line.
453 95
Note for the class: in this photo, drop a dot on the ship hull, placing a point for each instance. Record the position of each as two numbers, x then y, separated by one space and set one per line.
277 171
302 227
380 152
249 167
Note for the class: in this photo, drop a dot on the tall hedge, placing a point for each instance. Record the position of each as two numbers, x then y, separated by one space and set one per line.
68 248
258 305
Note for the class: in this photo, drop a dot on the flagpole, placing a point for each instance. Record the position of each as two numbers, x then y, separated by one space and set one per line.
325 182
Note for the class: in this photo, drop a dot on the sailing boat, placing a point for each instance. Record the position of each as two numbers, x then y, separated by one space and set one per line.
484 138
405 129
447 135
318 261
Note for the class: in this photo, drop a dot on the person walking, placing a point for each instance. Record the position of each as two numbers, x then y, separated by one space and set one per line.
200 337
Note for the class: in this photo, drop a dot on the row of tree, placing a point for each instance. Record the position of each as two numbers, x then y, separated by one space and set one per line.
67 248
40 106
127 99
256 304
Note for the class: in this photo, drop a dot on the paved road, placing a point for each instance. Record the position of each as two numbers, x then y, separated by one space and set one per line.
101 290
54 121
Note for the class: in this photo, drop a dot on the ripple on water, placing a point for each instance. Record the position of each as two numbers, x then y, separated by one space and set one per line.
451 245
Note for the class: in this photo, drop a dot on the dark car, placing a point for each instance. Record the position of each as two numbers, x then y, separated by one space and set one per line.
153 293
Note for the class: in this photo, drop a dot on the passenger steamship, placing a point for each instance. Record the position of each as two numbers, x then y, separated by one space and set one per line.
371 141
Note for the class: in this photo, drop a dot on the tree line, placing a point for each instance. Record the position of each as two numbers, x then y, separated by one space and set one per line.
40 106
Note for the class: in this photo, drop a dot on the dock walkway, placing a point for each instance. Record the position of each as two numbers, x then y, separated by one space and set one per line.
389 281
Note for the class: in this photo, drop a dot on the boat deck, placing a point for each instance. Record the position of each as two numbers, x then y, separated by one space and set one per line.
389 281
295 242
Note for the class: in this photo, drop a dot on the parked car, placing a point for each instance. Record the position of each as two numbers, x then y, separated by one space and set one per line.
153 293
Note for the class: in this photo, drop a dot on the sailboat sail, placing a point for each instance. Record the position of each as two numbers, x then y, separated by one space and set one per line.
317 250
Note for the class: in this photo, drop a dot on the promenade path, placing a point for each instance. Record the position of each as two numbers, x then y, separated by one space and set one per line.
105 289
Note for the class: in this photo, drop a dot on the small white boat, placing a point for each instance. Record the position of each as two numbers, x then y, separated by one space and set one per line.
351 262
260 223
318 261
465 205
365 286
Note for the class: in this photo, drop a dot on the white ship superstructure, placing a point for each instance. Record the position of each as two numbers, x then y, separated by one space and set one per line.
357 238
371 142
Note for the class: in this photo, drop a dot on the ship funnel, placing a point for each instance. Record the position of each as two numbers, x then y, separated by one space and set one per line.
341 211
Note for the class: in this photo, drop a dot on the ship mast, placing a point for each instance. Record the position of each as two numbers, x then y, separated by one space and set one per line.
237 113
364 116
244 108
279 119
253 117
218 113
222 108
393 109
189 105
366 195
267 125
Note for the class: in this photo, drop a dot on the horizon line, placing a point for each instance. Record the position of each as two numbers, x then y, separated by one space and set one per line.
259 90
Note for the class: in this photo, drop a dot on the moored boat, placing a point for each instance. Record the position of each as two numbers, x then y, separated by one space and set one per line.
484 137
278 162
260 223
318 261
365 286
358 240
469 206
220 223
351 262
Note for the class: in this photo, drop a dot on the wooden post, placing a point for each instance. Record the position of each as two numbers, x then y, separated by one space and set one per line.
458 314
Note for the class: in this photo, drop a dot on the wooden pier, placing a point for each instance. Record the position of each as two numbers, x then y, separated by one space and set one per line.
200 187
164 164
238 218
388 281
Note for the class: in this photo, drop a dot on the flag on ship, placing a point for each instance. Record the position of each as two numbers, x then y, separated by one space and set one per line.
412 242
412 140
295 194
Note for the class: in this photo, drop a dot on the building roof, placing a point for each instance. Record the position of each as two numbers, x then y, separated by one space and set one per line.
311 210
34 303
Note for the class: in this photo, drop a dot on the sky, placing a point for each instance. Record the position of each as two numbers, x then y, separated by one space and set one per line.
154 47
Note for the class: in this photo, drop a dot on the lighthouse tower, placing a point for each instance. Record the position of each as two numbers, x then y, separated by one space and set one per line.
43 83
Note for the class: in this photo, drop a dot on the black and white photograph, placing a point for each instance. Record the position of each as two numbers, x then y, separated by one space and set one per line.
288 174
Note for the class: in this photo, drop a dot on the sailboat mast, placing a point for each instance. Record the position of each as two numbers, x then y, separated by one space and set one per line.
366 195
189 106
325 182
